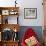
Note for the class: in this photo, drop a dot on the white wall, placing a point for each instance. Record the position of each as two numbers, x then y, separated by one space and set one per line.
32 4
27 4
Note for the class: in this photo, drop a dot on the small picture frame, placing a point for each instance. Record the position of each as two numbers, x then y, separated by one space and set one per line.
30 13
5 12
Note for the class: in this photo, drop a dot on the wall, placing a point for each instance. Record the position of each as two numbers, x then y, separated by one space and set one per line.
32 4
27 4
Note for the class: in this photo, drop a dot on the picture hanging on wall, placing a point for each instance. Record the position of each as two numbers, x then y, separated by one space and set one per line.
30 13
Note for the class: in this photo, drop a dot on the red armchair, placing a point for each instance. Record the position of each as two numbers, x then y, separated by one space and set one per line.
30 34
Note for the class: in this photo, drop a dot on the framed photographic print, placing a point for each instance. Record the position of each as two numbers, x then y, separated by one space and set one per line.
5 12
30 13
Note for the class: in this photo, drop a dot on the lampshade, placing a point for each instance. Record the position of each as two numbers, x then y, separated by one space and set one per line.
15 30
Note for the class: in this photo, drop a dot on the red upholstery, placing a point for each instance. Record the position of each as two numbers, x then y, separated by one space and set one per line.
29 33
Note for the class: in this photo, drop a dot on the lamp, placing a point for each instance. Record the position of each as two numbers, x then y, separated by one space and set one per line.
15 37
15 30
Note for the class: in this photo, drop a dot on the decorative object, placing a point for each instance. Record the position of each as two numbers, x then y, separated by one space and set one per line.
30 38
15 37
13 12
15 30
31 41
15 3
5 12
30 13
6 21
7 34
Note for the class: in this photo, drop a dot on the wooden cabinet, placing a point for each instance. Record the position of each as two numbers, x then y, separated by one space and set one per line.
9 43
5 13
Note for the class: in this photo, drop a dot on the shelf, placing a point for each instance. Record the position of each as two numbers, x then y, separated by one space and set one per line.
11 41
2 8
5 12
9 10
10 26
9 20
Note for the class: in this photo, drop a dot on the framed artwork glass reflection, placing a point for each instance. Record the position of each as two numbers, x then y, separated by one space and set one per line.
30 13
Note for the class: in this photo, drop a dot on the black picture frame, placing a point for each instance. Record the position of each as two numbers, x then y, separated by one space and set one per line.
30 13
